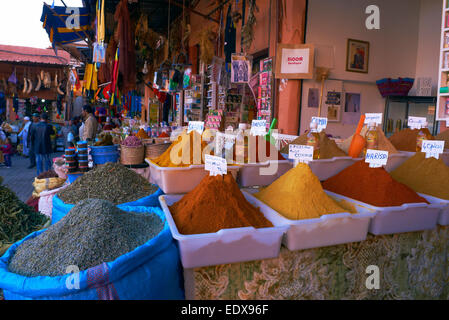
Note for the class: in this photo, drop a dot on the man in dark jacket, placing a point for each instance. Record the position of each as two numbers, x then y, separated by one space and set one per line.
41 142
31 153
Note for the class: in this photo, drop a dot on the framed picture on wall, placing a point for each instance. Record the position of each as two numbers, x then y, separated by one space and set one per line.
333 113
357 56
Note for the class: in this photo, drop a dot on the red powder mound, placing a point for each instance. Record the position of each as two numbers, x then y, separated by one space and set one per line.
374 186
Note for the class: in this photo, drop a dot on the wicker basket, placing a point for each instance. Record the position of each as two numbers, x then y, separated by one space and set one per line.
161 140
132 155
154 150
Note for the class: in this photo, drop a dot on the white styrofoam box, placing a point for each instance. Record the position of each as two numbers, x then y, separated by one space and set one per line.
328 230
226 245
443 218
396 159
406 218
176 180
251 174
326 168
445 157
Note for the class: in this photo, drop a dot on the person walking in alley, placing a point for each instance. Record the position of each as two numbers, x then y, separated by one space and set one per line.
31 154
7 152
41 141
90 124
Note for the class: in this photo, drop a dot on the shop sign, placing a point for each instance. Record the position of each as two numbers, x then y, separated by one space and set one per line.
432 148
376 158
416 122
294 61
373 117
196 125
321 123
300 153
215 165
259 127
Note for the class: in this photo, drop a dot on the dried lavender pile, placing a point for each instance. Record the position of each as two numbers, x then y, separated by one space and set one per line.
112 182
93 232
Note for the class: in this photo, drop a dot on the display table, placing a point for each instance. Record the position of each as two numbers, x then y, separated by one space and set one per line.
411 266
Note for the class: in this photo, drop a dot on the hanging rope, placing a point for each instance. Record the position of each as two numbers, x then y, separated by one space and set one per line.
168 23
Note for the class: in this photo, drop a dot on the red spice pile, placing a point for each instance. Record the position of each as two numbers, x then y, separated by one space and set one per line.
374 186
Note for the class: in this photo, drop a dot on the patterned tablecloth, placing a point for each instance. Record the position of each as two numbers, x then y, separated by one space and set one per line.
411 266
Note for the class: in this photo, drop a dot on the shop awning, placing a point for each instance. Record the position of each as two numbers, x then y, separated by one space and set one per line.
61 26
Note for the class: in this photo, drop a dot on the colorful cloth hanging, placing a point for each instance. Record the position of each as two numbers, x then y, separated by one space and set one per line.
63 25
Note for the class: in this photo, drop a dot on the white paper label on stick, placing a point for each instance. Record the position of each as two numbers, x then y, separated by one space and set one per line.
416 122
215 165
432 148
258 127
196 125
373 117
321 123
300 153
376 158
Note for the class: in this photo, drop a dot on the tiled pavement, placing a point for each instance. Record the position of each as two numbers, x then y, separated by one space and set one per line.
18 178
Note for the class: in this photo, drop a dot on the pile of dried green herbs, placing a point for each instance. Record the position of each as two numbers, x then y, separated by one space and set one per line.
93 232
17 220
112 181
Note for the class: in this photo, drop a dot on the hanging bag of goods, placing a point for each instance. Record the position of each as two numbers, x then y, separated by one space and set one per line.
132 151
48 180
112 182
127 253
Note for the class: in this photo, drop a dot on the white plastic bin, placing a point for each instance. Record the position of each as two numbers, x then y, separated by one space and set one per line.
252 174
326 168
227 245
443 217
177 180
328 230
406 218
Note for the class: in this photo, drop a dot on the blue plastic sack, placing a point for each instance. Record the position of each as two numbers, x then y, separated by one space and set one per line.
151 271
60 208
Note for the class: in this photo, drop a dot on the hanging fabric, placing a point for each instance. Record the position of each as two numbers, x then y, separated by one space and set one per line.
230 39
100 21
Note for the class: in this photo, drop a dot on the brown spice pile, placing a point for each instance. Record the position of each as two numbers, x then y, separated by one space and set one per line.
405 140
216 203
328 147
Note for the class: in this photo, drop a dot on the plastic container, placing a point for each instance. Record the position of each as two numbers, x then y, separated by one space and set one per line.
227 245
252 174
82 144
82 151
406 218
326 168
443 217
328 230
104 154
176 180
83 157
71 177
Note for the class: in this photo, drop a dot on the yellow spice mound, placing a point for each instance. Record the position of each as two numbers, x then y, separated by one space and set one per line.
429 176
298 195
174 156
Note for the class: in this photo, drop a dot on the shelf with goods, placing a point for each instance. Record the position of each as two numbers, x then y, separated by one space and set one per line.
193 104
264 91
442 112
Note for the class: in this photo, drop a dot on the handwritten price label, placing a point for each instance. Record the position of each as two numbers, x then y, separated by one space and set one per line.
321 123
373 117
376 158
432 148
416 122
215 165
300 153
196 125
259 127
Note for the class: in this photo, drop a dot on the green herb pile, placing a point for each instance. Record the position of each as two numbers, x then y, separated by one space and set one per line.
93 232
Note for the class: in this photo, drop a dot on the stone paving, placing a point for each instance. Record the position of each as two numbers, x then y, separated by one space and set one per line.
18 178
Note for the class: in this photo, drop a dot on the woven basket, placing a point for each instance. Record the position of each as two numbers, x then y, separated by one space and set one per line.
161 140
132 155
154 150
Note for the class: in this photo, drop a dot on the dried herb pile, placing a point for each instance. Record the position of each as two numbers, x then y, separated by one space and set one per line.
93 232
48 174
17 219
112 181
